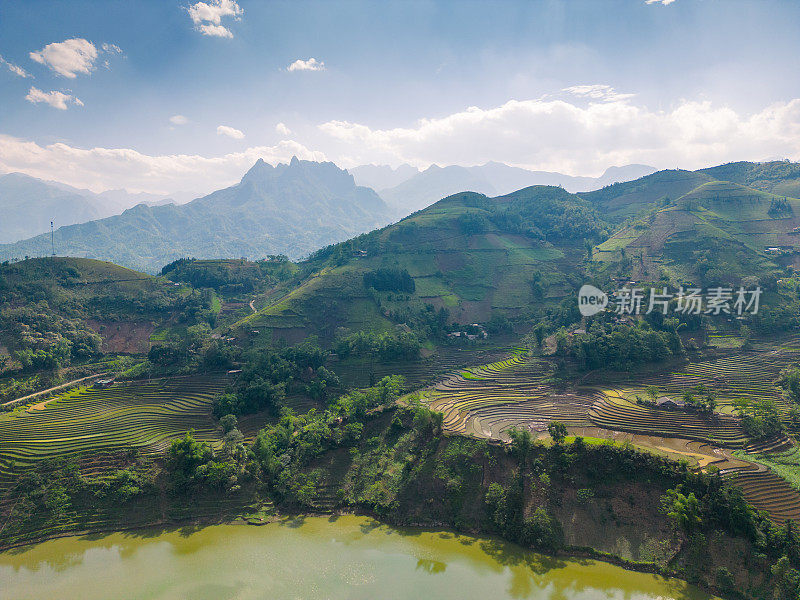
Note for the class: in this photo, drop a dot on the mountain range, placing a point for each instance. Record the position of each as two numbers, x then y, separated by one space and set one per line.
29 204
519 255
407 190
289 209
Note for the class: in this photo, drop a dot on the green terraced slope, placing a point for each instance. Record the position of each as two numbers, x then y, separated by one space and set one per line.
474 256
139 414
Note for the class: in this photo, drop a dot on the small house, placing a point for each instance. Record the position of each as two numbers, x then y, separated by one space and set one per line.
667 402
103 383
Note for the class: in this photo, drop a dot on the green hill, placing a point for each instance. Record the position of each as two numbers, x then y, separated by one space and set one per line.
58 311
717 233
518 256
471 259
620 201
778 177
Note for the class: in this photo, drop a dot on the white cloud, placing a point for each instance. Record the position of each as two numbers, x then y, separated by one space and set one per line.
664 2
112 168
15 69
312 64
230 132
55 99
68 58
558 135
207 16
178 120
597 91
282 129
215 30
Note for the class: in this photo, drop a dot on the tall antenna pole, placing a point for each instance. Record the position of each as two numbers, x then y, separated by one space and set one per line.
52 239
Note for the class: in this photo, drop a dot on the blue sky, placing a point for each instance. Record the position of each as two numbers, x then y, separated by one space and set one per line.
569 85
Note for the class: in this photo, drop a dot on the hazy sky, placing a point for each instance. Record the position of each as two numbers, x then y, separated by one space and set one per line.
165 96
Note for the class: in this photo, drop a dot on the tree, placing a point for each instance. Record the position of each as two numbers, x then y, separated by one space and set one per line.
228 423
557 431
652 392
683 511
521 443
184 457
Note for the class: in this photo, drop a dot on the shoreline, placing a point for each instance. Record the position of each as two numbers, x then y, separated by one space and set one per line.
568 552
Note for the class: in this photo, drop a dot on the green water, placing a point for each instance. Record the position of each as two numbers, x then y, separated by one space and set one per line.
344 557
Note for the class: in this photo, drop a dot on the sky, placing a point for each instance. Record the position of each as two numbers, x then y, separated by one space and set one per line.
164 96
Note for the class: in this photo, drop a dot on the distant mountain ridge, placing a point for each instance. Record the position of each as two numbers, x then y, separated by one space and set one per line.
421 189
289 209
29 204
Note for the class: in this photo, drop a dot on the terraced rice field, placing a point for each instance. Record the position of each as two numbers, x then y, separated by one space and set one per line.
613 410
141 414
751 374
489 400
418 372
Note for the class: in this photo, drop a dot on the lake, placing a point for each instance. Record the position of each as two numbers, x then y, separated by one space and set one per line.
315 557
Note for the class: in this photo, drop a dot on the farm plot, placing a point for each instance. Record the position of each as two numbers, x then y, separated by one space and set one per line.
486 401
141 414
489 400
613 410
752 374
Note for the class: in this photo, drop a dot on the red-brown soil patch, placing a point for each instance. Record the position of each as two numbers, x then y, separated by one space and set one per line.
125 337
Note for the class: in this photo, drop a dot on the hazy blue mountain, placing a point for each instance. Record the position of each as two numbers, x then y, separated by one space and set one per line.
614 175
289 209
380 177
29 204
492 179
433 184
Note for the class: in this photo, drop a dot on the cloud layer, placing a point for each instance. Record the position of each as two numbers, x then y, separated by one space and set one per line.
582 130
230 132
112 168
15 69
582 136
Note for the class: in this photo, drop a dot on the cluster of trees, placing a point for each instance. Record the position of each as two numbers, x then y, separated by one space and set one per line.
195 349
389 279
385 346
701 504
549 214
195 465
699 398
282 449
759 419
231 277
619 346
427 321
505 506
41 339
790 382
268 376
779 207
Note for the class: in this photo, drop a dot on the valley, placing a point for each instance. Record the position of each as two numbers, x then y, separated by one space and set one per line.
434 372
